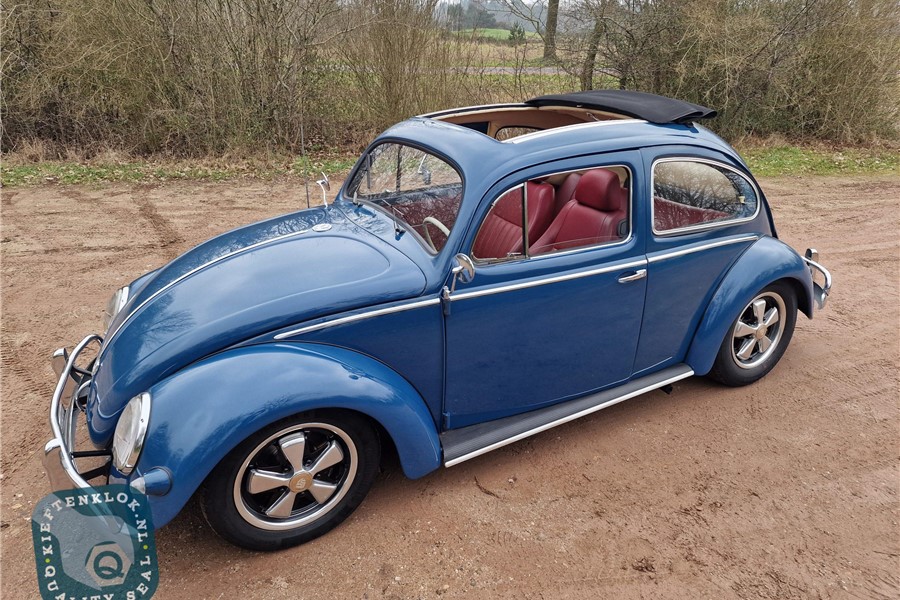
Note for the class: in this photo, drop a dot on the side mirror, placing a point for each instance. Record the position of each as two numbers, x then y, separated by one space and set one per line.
463 270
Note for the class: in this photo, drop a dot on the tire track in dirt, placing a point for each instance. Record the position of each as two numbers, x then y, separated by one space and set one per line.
116 248
166 232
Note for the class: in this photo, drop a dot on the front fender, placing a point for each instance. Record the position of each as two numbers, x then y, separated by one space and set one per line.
763 263
201 413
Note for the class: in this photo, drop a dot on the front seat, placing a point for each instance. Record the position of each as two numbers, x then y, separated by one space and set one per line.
501 233
593 215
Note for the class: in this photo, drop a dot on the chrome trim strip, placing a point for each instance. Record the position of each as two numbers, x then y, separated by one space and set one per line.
181 278
549 280
554 130
568 418
359 317
704 226
683 251
437 115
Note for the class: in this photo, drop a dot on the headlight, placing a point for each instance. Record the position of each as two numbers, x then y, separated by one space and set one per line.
114 305
131 429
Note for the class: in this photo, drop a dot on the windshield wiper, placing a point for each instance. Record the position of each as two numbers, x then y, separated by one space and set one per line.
398 231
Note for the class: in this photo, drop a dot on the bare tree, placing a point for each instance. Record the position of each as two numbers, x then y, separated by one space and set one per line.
550 30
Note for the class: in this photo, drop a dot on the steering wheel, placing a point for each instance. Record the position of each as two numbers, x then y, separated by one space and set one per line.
436 223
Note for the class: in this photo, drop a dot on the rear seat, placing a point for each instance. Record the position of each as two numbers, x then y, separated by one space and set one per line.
669 215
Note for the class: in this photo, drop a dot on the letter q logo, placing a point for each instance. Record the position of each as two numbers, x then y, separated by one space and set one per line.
107 564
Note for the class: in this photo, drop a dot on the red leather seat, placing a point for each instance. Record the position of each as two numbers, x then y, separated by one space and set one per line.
501 232
592 216
669 215
566 190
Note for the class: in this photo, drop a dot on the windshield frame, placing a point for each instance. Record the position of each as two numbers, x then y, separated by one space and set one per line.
401 225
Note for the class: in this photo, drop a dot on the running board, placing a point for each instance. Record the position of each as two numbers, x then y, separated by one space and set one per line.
468 442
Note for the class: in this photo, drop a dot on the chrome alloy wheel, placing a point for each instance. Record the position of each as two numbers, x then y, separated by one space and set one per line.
295 476
758 330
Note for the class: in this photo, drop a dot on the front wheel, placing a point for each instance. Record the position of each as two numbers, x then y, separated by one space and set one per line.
758 337
293 481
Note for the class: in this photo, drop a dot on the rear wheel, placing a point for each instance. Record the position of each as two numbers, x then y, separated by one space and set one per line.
293 481
758 337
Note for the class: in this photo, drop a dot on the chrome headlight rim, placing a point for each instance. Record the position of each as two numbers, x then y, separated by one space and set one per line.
130 432
115 304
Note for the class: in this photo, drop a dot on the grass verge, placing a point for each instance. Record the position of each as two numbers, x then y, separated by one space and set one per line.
784 160
13 173
764 161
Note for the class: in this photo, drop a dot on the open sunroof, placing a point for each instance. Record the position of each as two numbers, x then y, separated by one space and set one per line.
640 105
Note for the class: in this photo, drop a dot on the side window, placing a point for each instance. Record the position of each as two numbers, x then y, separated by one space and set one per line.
689 194
502 235
559 212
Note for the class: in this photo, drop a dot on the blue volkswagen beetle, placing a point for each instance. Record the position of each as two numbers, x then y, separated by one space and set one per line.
484 274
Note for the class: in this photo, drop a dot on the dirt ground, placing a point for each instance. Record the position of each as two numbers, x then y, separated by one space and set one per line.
785 489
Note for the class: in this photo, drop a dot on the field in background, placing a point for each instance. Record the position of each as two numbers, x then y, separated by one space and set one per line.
498 35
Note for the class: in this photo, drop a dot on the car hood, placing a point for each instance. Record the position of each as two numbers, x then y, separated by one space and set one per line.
240 285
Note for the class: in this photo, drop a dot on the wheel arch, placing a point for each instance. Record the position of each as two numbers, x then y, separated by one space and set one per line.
201 413
765 262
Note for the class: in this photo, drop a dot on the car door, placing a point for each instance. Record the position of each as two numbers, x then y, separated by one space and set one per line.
539 327
704 214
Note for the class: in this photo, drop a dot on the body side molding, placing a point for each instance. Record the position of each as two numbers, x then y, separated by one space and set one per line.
468 442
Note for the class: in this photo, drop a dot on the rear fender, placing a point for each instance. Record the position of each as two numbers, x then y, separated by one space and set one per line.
201 413
763 263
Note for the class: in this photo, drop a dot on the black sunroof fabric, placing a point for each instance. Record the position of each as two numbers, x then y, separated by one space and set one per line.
640 105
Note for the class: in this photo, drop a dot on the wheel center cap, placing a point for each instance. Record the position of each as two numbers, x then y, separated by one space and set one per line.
761 332
300 481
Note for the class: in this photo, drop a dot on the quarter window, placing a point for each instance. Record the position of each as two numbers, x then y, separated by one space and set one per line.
688 194
508 133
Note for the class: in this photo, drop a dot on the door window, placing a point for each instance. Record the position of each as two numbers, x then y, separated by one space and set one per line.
555 213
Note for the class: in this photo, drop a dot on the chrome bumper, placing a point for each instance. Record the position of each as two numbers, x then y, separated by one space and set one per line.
820 292
59 452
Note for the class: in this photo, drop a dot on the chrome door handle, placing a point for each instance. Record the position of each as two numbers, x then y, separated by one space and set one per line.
639 274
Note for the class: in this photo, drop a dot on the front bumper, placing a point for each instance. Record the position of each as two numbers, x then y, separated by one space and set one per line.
66 407
820 292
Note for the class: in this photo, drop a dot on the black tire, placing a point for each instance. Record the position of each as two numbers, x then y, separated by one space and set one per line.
258 499
743 359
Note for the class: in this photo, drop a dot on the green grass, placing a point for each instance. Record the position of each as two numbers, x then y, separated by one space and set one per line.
24 174
796 160
501 35
764 162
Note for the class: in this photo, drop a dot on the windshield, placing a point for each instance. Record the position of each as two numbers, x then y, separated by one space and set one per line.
420 190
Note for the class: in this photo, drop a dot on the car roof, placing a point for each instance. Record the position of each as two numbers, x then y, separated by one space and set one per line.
480 156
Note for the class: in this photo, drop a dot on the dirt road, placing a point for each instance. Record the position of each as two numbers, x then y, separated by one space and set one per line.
784 489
